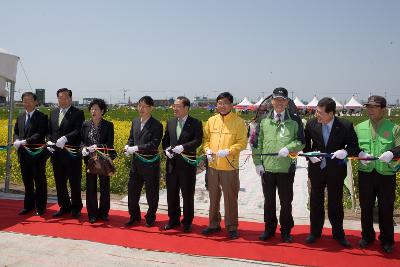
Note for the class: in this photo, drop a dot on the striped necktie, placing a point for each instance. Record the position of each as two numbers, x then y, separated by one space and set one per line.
178 128
61 116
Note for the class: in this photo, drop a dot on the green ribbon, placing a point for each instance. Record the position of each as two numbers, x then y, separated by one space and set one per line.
3 148
34 153
194 162
143 159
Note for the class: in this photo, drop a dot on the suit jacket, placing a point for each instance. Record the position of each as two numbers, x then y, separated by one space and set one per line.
191 138
396 151
106 135
149 138
36 131
70 126
342 136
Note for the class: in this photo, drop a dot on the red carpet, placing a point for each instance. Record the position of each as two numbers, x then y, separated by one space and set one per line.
327 252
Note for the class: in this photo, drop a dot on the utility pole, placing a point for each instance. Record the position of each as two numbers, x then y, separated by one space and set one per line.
292 92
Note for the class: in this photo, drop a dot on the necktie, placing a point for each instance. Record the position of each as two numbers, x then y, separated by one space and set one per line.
278 118
178 128
27 123
61 117
325 135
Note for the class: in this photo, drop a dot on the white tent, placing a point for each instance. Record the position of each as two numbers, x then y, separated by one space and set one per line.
338 104
259 102
8 73
313 103
244 105
298 103
353 104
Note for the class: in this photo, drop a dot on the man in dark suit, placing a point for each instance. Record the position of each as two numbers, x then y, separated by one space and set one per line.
144 140
328 134
31 128
65 129
183 134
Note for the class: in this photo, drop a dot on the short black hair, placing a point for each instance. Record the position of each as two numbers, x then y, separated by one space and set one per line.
226 95
185 101
100 102
29 94
328 103
147 100
64 90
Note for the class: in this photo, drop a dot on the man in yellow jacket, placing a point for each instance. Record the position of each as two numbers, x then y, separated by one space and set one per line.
225 135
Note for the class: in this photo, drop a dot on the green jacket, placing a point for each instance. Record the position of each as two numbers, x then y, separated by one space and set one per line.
384 140
273 136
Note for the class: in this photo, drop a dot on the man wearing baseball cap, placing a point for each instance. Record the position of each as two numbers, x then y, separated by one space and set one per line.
282 132
377 137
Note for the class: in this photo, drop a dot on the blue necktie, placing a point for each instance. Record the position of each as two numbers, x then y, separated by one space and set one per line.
28 122
325 135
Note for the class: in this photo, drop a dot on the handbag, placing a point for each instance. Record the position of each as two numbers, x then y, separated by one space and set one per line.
100 164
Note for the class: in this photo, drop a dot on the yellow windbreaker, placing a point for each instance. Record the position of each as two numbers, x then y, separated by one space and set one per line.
225 132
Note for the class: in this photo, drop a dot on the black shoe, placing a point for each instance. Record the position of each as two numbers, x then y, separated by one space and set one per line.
59 213
150 223
132 221
287 238
24 211
311 239
209 230
170 226
387 248
187 228
104 217
233 235
266 235
75 214
39 213
343 242
92 219
363 243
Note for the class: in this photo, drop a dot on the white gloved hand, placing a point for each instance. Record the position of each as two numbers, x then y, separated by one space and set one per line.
339 154
50 149
223 153
92 148
284 152
85 152
169 155
49 143
61 142
315 159
126 150
260 170
209 154
18 143
132 149
364 155
178 149
386 156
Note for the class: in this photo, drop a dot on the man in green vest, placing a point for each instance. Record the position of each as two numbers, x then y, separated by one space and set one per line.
377 137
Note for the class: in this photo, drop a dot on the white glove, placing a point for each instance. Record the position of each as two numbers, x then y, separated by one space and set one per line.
223 153
386 156
284 152
209 155
50 149
260 169
169 155
49 143
132 149
339 154
126 150
364 155
85 152
18 143
178 149
61 142
92 148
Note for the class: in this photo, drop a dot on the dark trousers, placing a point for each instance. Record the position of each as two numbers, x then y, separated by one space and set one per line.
33 171
147 174
284 183
334 183
182 178
374 185
68 168
94 210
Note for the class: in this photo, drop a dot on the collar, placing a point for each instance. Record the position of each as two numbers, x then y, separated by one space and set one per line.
144 121
329 124
183 120
227 116
29 113
65 109
282 115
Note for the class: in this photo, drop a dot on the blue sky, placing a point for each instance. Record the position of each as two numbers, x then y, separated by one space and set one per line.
201 48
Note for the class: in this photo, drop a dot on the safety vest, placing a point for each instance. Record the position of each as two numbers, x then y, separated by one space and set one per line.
384 141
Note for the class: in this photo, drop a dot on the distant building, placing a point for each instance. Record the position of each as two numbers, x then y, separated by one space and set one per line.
202 101
40 94
75 103
86 101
